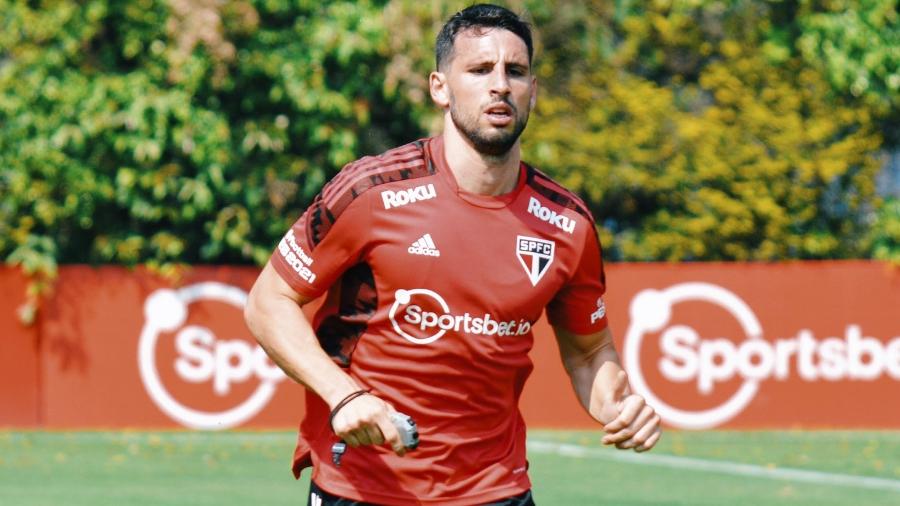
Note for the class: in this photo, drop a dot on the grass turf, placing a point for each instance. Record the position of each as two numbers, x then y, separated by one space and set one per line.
194 468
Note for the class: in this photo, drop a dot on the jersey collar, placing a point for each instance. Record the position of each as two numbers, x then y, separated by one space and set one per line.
435 152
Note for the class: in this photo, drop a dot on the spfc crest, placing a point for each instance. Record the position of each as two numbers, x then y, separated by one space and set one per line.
535 255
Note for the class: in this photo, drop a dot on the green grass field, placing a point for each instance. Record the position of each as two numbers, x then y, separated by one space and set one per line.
686 468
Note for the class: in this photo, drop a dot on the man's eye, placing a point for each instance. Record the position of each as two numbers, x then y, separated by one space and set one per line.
480 70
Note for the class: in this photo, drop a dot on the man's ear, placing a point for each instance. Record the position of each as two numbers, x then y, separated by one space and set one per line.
533 92
440 93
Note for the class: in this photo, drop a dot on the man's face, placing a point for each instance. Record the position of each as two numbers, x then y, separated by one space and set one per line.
490 87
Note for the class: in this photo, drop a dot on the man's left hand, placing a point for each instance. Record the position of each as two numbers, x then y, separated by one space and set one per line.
629 422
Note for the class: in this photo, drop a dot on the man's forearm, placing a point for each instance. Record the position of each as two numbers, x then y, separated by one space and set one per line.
275 317
584 372
602 387
284 332
584 357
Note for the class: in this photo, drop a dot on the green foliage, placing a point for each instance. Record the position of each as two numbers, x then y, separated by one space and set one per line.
152 131
693 139
746 165
854 44
886 232
857 46
195 131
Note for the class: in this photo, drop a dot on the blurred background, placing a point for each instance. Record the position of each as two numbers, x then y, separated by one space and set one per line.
170 138
196 131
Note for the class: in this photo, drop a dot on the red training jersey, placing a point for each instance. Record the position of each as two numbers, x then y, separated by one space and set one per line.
431 296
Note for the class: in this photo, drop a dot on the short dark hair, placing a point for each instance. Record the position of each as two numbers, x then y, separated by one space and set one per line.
480 16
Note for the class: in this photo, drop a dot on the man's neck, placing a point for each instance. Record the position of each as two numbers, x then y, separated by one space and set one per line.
478 173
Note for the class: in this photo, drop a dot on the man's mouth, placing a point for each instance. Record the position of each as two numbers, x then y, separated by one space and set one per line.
499 114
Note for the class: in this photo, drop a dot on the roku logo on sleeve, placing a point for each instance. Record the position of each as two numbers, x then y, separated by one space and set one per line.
401 198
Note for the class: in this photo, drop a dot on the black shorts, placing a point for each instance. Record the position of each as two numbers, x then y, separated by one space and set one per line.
318 497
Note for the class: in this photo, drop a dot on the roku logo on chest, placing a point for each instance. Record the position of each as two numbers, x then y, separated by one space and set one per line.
409 196
546 214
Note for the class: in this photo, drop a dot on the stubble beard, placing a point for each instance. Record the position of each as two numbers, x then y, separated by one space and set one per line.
496 143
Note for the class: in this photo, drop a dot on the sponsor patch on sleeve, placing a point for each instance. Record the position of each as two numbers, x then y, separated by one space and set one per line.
296 257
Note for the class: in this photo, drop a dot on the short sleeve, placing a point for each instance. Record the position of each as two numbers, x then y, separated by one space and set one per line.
578 306
327 239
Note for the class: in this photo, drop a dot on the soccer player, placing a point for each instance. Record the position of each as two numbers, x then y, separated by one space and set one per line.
435 259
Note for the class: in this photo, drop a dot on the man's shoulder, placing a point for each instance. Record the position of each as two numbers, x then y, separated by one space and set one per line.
408 161
549 189
390 159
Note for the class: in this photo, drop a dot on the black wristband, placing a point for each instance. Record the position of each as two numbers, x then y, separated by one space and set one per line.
343 403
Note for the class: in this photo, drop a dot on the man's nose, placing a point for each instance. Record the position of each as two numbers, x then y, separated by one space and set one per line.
499 81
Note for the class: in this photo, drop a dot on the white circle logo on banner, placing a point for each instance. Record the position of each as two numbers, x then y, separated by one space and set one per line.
651 311
166 310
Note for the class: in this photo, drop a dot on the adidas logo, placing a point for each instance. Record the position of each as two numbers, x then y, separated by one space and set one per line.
424 246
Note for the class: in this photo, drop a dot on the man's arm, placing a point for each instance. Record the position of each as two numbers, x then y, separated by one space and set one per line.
602 387
273 314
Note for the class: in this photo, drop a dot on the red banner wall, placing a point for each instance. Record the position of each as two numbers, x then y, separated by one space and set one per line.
19 371
712 345
763 345
124 348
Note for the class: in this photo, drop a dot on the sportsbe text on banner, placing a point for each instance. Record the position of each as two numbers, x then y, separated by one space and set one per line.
762 345
814 344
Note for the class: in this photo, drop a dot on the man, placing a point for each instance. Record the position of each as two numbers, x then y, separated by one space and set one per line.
436 258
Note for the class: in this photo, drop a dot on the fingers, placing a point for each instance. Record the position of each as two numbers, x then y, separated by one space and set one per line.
367 435
651 441
375 435
631 429
630 408
350 439
357 422
641 435
392 436
366 421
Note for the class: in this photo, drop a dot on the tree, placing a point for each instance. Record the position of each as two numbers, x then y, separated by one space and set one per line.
146 131
691 143
856 46
165 132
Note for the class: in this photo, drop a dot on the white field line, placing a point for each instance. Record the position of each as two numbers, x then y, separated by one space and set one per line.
715 466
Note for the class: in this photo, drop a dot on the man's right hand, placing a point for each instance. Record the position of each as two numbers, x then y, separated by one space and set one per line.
366 420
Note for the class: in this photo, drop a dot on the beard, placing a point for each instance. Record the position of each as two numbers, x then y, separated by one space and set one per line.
489 141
